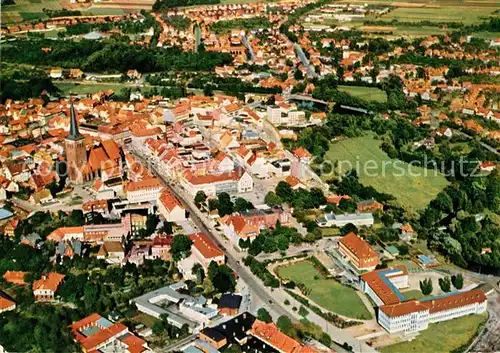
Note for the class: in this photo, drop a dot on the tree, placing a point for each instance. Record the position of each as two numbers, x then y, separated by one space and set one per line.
199 272
303 311
458 281
426 286
225 204
200 198
272 199
242 205
263 315
285 325
445 284
347 205
222 277
213 204
284 191
181 247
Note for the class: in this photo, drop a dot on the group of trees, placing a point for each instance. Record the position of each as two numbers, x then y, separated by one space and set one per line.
165 5
444 283
223 203
240 23
111 56
260 270
272 240
300 198
229 85
462 209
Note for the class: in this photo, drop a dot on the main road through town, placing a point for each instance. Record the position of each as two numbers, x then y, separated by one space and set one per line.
232 261
272 300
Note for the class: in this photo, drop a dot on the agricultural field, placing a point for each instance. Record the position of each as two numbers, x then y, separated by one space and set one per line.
463 14
391 25
412 186
443 337
28 10
366 93
327 293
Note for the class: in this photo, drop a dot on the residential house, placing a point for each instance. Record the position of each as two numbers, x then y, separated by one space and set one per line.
170 207
45 288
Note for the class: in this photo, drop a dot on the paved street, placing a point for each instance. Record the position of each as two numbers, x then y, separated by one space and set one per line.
273 299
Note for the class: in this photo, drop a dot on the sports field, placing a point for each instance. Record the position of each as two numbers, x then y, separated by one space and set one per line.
366 93
414 187
443 337
327 293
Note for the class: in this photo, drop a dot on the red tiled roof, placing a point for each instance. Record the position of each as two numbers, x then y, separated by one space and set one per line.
404 308
50 282
5 303
15 277
378 285
169 200
452 301
358 246
150 183
455 301
213 178
270 334
205 246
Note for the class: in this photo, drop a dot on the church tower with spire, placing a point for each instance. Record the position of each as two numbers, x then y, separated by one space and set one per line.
75 149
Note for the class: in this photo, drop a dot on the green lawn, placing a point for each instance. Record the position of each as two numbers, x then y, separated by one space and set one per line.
327 293
367 93
67 88
413 294
414 187
462 14
443 337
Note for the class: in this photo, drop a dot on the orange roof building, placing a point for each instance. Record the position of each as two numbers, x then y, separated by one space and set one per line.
205 251
6 304
270 334
95 333
358 252
45 288
15 277
170 207
416 315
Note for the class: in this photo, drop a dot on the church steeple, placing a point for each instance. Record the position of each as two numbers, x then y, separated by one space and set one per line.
74 134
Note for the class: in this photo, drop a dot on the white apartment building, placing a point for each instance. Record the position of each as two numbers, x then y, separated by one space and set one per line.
212 184
397 315
414 315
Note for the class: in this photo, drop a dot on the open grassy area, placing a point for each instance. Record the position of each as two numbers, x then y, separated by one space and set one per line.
413 294
327 293
367 93
463 14
442 337
414 187
83 88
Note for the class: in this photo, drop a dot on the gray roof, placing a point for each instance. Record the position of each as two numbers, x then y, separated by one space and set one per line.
74 134
167 293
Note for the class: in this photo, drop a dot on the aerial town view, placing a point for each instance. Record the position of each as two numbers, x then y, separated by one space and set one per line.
250 176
